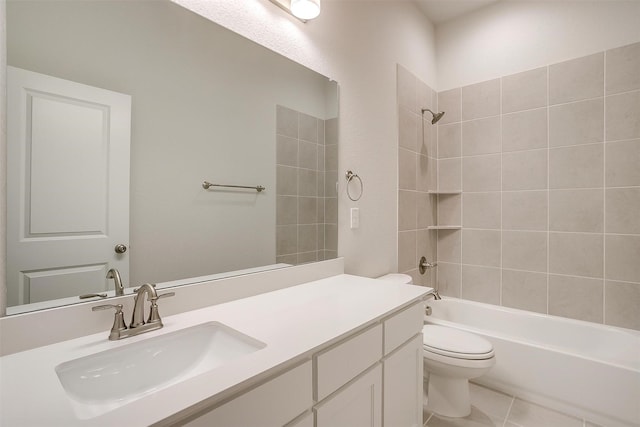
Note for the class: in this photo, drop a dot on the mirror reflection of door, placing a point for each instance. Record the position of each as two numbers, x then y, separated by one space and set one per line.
67 187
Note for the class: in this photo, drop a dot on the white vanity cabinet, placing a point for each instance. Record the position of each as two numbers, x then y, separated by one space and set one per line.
388 361
272 404
372 378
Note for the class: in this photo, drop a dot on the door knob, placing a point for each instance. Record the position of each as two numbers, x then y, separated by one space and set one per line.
120 249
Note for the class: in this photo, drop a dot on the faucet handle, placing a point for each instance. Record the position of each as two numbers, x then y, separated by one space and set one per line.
85 296
118 307
118 320
154 316
165 295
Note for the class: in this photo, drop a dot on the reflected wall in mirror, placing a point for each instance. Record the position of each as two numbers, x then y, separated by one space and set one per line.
205 105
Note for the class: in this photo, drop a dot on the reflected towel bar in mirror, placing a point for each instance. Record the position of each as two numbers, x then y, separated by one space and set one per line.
207 184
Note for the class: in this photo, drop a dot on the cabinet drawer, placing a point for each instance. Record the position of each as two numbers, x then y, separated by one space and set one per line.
402 326
273 403
339 365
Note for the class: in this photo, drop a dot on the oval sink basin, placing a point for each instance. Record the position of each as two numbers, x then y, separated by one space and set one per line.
110 379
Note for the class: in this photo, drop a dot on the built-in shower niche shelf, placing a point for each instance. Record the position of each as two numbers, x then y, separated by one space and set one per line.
444 227
444 193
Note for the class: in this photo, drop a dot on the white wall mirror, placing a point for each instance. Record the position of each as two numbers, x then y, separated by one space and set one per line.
118 112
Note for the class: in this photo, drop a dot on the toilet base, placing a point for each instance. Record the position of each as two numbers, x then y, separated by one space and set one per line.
448 396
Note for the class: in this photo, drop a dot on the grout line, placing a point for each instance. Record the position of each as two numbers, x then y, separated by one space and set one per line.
548 189
604 196
501 194
506 418
461 198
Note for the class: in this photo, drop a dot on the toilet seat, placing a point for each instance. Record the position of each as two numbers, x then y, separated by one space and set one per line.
455 343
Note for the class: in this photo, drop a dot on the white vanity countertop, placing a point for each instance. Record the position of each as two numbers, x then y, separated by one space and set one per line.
293 322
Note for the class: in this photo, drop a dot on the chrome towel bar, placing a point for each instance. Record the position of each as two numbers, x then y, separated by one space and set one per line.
207 184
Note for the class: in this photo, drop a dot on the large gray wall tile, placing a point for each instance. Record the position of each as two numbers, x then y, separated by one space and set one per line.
577 166
449 279
524 91
427 169
408 123
481 136
307 238
449 102
576 123
449 210
524 170
576 254
621 257
524 210
286 239
449 246
481 173
576 210
524 250
577 79
307 183
426 210
576 297
407 255
481 284
481 210
407 210
449 140
449 174
286 181
286 210
286 122
525 130
308 128
623 69
481 100
622 210
407 163
308 155
623 116
621 304
524 290
622 160
286 151
481 247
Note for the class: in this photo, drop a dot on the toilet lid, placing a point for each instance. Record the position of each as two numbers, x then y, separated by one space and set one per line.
455 343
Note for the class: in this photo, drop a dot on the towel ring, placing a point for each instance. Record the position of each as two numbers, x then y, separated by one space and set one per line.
350 176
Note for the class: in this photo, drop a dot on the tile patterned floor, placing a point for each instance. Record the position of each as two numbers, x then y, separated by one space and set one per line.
491 408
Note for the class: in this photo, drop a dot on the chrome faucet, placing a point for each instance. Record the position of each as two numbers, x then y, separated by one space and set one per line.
433 293
137 319
138 325
115 275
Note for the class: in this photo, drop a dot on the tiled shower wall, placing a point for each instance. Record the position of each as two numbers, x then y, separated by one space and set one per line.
306 199
417 176
548 162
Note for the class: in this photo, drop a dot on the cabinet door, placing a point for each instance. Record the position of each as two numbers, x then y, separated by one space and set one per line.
403 385
357 405
272 404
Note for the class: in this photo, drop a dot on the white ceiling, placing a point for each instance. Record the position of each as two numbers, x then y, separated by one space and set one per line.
439 11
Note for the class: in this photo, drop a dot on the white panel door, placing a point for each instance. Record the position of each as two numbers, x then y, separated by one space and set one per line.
67 186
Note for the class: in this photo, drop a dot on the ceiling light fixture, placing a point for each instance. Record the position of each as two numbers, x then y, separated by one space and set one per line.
301 9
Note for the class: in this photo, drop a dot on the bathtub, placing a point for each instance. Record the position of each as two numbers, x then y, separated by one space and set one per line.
579 368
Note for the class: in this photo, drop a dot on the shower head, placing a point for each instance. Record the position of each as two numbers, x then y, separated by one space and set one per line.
436 116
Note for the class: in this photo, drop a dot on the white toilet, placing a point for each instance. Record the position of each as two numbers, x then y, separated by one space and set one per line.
451 358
